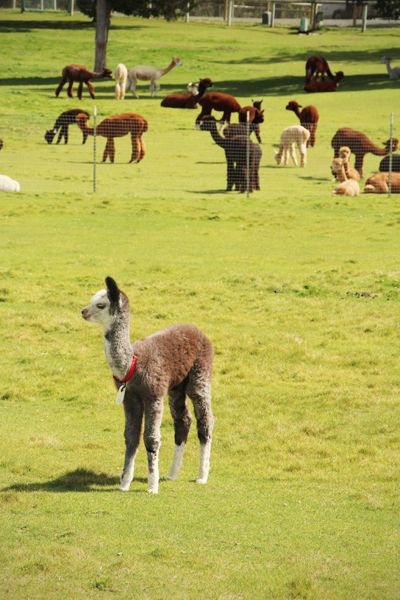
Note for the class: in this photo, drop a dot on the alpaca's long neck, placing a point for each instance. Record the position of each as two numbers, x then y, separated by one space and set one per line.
118 348
218 139
167 69
389 69
340 174
378 151
201 91
297 112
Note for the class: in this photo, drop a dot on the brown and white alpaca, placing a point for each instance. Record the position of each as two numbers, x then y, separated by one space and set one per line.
120 76
379 183
309 118
235 147
119 126
176 361
217 101
289 137
81 74
190 99
144 73
360 145
317 65
255 118
346 187
324 86
62 123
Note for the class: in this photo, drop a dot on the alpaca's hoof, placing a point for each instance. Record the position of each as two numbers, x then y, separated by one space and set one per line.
123 488
203 480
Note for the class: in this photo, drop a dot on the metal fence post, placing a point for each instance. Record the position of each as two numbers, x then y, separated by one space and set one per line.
391 154
94 148
248 151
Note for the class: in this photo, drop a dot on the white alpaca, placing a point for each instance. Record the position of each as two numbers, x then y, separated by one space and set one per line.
289 137
149 74
393 73
121 75
346 187
9 185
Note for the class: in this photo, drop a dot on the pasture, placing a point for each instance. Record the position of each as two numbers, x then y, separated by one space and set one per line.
298 291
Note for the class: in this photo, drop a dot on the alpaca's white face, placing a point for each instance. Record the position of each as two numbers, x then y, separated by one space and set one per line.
98 309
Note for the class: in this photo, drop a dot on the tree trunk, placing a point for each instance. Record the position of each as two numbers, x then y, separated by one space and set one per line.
103 11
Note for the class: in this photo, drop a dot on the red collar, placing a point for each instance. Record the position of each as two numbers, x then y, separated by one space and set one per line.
130 373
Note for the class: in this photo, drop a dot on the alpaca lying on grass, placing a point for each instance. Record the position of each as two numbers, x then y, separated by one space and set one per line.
120 76
289 137
346 187
177 361
66 119
344 157
324 86
190 99
9 185
379 183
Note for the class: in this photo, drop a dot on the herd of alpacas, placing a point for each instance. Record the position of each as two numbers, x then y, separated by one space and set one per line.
243 156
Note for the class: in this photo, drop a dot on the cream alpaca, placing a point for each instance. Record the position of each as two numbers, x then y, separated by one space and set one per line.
346 187
393 73
151 74
289 137
8 185
121 75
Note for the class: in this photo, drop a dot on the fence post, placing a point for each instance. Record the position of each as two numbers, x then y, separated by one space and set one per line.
248 151
390 155
94 148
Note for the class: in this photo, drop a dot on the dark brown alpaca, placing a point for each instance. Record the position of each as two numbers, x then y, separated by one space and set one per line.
187 100
1 144
317 65
236 156
324 86
177 361
62 123
222 102
119 126
360 145
255 118
309 118
82 74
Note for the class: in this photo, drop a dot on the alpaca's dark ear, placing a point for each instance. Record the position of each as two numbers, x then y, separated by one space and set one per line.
113 291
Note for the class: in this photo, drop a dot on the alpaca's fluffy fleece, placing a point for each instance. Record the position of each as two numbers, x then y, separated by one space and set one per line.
121 75
289 137
8 185
349 187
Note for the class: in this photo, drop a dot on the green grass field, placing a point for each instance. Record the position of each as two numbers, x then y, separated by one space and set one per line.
298 291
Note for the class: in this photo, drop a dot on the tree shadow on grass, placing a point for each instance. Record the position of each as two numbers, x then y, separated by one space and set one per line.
80 480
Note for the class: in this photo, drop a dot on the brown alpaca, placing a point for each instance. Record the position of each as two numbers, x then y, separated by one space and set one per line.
309 118
62 123
222 102
379 184
317 65
119 126
360 145
236 156
346 187
255 118
82 74
1 144
324 86
187 100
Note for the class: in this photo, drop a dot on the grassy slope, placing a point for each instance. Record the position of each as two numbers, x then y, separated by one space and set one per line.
302 500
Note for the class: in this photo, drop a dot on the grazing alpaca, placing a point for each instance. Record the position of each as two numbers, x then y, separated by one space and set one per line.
190 99
393 73
119 126
62 123
9 185
236 154
82 74
324 86
120 76
217 101
149 74
309 118
385 164
360 145
1 144
289 137
379 184
255 118
317 65
176 361
346 187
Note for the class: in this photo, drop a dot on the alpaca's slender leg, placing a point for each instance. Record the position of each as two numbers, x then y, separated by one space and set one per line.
60 134
85 136
286 153
133 86
303 155
135 141
133 409
157 88
80 90
109 150
199 391
293 154
64 130
70 91
358 165
182 420
61 85
230 173
142 150
152 440
91 89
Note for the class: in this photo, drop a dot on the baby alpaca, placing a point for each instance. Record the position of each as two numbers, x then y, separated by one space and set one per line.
346 187
120 75
9 185
176 361
344 155
289 137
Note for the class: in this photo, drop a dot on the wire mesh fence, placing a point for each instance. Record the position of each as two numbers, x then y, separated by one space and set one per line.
167 155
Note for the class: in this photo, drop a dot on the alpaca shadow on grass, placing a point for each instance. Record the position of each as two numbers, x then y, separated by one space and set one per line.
79 480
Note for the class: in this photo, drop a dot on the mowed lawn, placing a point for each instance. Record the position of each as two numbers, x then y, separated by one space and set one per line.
298 291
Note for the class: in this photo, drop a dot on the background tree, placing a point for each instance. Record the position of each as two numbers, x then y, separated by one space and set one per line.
388 9
100 12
